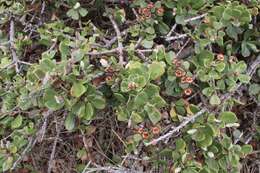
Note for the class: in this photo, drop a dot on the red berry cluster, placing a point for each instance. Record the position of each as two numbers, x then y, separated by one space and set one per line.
147 11
180 73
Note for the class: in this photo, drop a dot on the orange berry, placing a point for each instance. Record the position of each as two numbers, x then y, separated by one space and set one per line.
220 57
179 73
156 130
150 5
188 91
175 61
189 79
183 79
146 12
145 135
132 85
160 11
140 10
108 78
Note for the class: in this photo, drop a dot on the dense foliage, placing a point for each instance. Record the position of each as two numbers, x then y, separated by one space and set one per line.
129 86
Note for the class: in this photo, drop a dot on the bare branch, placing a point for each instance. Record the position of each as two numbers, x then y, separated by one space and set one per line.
174 130
168 36
32 142
12 46
119 41
195 18
185 44
53 151
176 37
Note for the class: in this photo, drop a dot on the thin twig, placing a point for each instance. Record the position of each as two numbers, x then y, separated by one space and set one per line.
12 46
102 53
185 44
32 142
58 130
44 125
176 129
138 42
168 36
172 30
195 18
119 41
176 37
111 169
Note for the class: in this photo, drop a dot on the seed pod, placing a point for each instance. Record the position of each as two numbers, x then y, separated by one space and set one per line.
189 79
188 91
145 135
179 73
155 130
160 11
220 57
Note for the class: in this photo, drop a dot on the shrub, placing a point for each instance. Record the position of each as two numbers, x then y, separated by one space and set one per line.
101 85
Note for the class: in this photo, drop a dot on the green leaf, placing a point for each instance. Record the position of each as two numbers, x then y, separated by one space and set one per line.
64 49
89 111
120 97
206 142
205 58
52 100
198 136
73 14
137 118
214 100
48 54
246 149
254 89
223 163
153 113
7 164
163 28
244 49
70 122
122 114
243 78
98 102
77 89
180 145
220 66
208 91
141 99
83 12
86 111
228 117
240 67
77 55
47 65
156 69
17 122
157 101
180 20
147 44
